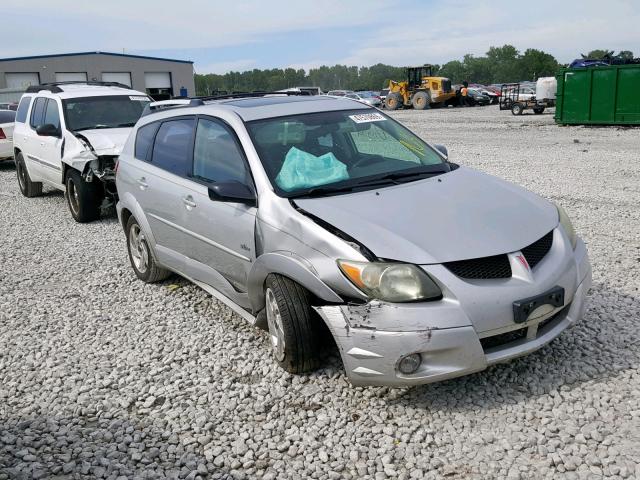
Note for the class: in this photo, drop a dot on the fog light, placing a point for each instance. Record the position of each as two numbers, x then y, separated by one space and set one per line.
410 363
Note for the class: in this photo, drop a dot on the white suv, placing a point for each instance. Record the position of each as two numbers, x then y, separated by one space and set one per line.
69 136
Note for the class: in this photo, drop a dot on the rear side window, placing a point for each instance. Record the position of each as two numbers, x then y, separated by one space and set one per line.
52 114
144 140
7 116
217 156
172 147
37 112
23 108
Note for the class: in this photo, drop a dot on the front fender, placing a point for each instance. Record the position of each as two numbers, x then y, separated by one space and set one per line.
288 265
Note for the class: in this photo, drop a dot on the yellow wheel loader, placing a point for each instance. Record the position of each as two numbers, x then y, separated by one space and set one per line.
420 90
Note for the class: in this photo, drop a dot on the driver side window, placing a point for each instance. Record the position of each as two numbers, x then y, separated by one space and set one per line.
217 157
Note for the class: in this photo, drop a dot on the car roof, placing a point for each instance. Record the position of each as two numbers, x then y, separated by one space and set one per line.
75 90
257 108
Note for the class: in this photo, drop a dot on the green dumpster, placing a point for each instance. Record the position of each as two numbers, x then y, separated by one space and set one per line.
599 95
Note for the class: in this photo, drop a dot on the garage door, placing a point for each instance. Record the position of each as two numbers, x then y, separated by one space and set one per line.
120 77
20 81
157 80
71 76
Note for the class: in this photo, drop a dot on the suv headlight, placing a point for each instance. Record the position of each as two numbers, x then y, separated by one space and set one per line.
567 225
391 282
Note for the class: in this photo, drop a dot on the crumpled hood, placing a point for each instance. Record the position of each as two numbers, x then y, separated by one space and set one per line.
459 215
107 141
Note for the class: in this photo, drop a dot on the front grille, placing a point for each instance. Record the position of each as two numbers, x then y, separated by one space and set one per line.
535 252
503 338
496 266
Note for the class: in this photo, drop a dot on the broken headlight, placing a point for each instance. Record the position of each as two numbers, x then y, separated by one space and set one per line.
391 282
567 226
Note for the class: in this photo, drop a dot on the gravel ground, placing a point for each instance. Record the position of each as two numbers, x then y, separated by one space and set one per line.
102 376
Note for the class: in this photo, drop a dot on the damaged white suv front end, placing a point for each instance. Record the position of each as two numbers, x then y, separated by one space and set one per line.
69 136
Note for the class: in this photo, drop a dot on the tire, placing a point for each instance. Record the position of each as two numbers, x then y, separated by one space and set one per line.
421 100
293 333
142 261
517 109
538 110
393 101
83 198
28 188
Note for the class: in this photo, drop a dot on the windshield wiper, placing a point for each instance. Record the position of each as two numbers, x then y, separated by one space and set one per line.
93 127
128 124
400 177
323 190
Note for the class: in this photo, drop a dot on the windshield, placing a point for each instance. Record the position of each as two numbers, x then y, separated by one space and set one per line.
113 111
340 151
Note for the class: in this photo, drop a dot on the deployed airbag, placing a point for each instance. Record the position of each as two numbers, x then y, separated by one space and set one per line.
303 170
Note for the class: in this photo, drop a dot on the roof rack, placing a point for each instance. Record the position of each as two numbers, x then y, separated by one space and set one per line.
182 102
54 87
256 93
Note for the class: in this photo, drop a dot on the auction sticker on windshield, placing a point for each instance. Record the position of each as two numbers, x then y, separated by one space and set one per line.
367 117
139 98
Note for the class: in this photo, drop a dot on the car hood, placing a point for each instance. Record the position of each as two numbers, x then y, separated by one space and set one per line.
106 141
459 215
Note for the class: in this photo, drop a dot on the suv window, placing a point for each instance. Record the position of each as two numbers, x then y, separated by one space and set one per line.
37 112
217 157
144 140
23 108
52 114
172 147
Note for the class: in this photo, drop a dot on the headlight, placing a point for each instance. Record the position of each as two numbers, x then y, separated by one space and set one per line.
391 282
567 226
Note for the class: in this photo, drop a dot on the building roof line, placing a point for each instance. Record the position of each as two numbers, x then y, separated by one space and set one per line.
95 53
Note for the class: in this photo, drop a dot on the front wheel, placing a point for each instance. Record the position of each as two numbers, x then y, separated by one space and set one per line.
293 333
142 261
517 109
28 188
393 101
83 198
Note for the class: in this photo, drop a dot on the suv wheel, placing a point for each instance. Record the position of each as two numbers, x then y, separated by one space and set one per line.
83 198
293 333
142 261
27 187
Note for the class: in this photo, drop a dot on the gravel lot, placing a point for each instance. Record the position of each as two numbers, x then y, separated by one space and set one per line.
102 376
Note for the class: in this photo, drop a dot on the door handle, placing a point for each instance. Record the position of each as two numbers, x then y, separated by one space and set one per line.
142 183
188 202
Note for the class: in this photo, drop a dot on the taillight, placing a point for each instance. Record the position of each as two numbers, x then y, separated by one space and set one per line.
116 167
2 135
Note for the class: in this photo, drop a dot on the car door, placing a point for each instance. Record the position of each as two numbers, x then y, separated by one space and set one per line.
51 147
221 232
32 146
159 177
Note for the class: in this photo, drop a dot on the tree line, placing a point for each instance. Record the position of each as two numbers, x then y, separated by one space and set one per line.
498 65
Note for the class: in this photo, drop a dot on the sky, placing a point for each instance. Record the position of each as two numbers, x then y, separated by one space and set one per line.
219 36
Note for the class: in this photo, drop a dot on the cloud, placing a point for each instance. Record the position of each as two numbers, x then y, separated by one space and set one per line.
224 67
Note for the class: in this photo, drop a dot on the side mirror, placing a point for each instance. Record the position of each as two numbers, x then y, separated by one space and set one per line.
235 192
443 150
48 130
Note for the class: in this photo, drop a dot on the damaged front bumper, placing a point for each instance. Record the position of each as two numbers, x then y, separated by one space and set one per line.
442 334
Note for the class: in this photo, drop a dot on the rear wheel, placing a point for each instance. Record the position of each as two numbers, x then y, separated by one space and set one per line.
293 331
421 100
393 101
538 110
517 109
142 261
83 198
27 187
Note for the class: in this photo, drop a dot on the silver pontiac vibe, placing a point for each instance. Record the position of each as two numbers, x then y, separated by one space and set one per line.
316 215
